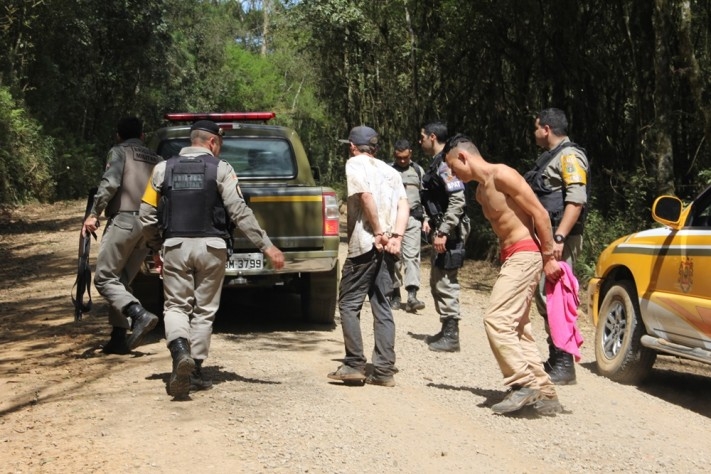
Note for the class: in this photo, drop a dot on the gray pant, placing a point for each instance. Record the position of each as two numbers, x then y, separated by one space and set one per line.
409 262
193 272
444 284
362 276
121 253
445 291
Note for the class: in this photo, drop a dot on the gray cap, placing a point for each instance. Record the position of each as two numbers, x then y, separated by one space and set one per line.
361 135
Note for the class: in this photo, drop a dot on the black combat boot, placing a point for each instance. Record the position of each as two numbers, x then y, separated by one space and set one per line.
197 379
117 344
395 299
142 322
183 366
552 354
436 337
413 304
562 371
449 342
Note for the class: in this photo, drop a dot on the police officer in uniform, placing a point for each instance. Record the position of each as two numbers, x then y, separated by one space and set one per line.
444 203
559 179
188 206
409 261
123 248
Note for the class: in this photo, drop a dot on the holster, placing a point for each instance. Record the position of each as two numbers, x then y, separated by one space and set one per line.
453 258
417 212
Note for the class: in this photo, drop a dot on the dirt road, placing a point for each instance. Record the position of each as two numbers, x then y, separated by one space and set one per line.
65 407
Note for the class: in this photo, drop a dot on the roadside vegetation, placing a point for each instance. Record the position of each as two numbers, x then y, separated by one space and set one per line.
633 76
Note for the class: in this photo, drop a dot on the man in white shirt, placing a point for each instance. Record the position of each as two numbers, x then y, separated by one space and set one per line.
377 215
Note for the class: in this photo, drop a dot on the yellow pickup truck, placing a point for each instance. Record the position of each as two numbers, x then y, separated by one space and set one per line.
651 292
278 182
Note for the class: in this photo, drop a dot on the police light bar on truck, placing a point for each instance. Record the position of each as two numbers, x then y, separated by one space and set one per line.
219 116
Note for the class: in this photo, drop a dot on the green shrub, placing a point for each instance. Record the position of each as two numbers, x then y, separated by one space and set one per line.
76 169
26 155
599 233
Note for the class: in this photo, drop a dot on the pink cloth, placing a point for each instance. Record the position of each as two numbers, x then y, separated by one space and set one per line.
562 307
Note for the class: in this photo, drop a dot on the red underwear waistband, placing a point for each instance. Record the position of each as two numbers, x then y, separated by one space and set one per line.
525 245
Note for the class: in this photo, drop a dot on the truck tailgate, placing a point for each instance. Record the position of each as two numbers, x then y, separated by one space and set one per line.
291 216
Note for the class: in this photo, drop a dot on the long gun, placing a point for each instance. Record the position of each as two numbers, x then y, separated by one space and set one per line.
82 284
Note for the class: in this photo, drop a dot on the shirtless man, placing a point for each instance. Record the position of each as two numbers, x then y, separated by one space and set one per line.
526 241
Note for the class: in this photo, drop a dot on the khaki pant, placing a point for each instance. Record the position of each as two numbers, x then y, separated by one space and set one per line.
508 325
121 253
193 272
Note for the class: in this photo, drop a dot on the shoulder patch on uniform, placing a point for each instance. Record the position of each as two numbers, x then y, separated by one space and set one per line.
150 195
572 172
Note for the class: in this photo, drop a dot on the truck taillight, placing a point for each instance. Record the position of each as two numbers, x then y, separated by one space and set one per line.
331 215
219 117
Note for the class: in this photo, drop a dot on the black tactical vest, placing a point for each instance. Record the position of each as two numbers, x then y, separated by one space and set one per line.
190 203
435 191
552 201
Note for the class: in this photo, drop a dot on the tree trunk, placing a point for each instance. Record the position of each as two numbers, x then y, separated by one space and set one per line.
690 68
265 25
660 143
413 59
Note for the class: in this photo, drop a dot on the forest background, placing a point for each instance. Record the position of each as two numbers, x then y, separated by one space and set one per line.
633 77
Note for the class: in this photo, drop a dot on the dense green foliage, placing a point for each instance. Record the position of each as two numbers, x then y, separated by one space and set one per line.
24 170
632 75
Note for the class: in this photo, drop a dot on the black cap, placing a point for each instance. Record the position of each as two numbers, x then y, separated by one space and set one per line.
207 126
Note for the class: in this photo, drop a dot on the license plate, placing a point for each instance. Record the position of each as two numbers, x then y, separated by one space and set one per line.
245 261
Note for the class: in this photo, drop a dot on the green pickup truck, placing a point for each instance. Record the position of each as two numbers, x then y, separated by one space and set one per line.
280 185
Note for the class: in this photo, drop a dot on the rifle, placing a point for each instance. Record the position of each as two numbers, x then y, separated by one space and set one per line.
82 284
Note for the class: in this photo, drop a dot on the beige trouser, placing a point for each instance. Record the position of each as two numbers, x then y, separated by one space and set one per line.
508 325
193 272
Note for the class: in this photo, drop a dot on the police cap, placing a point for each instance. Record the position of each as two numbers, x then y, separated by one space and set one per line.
207 126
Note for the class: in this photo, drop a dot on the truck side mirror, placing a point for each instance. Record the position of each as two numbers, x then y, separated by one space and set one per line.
667 210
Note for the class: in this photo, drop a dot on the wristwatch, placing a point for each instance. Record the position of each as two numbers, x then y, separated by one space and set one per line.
559 239
439 233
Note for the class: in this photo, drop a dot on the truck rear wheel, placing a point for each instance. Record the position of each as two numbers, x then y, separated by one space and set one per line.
319 294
